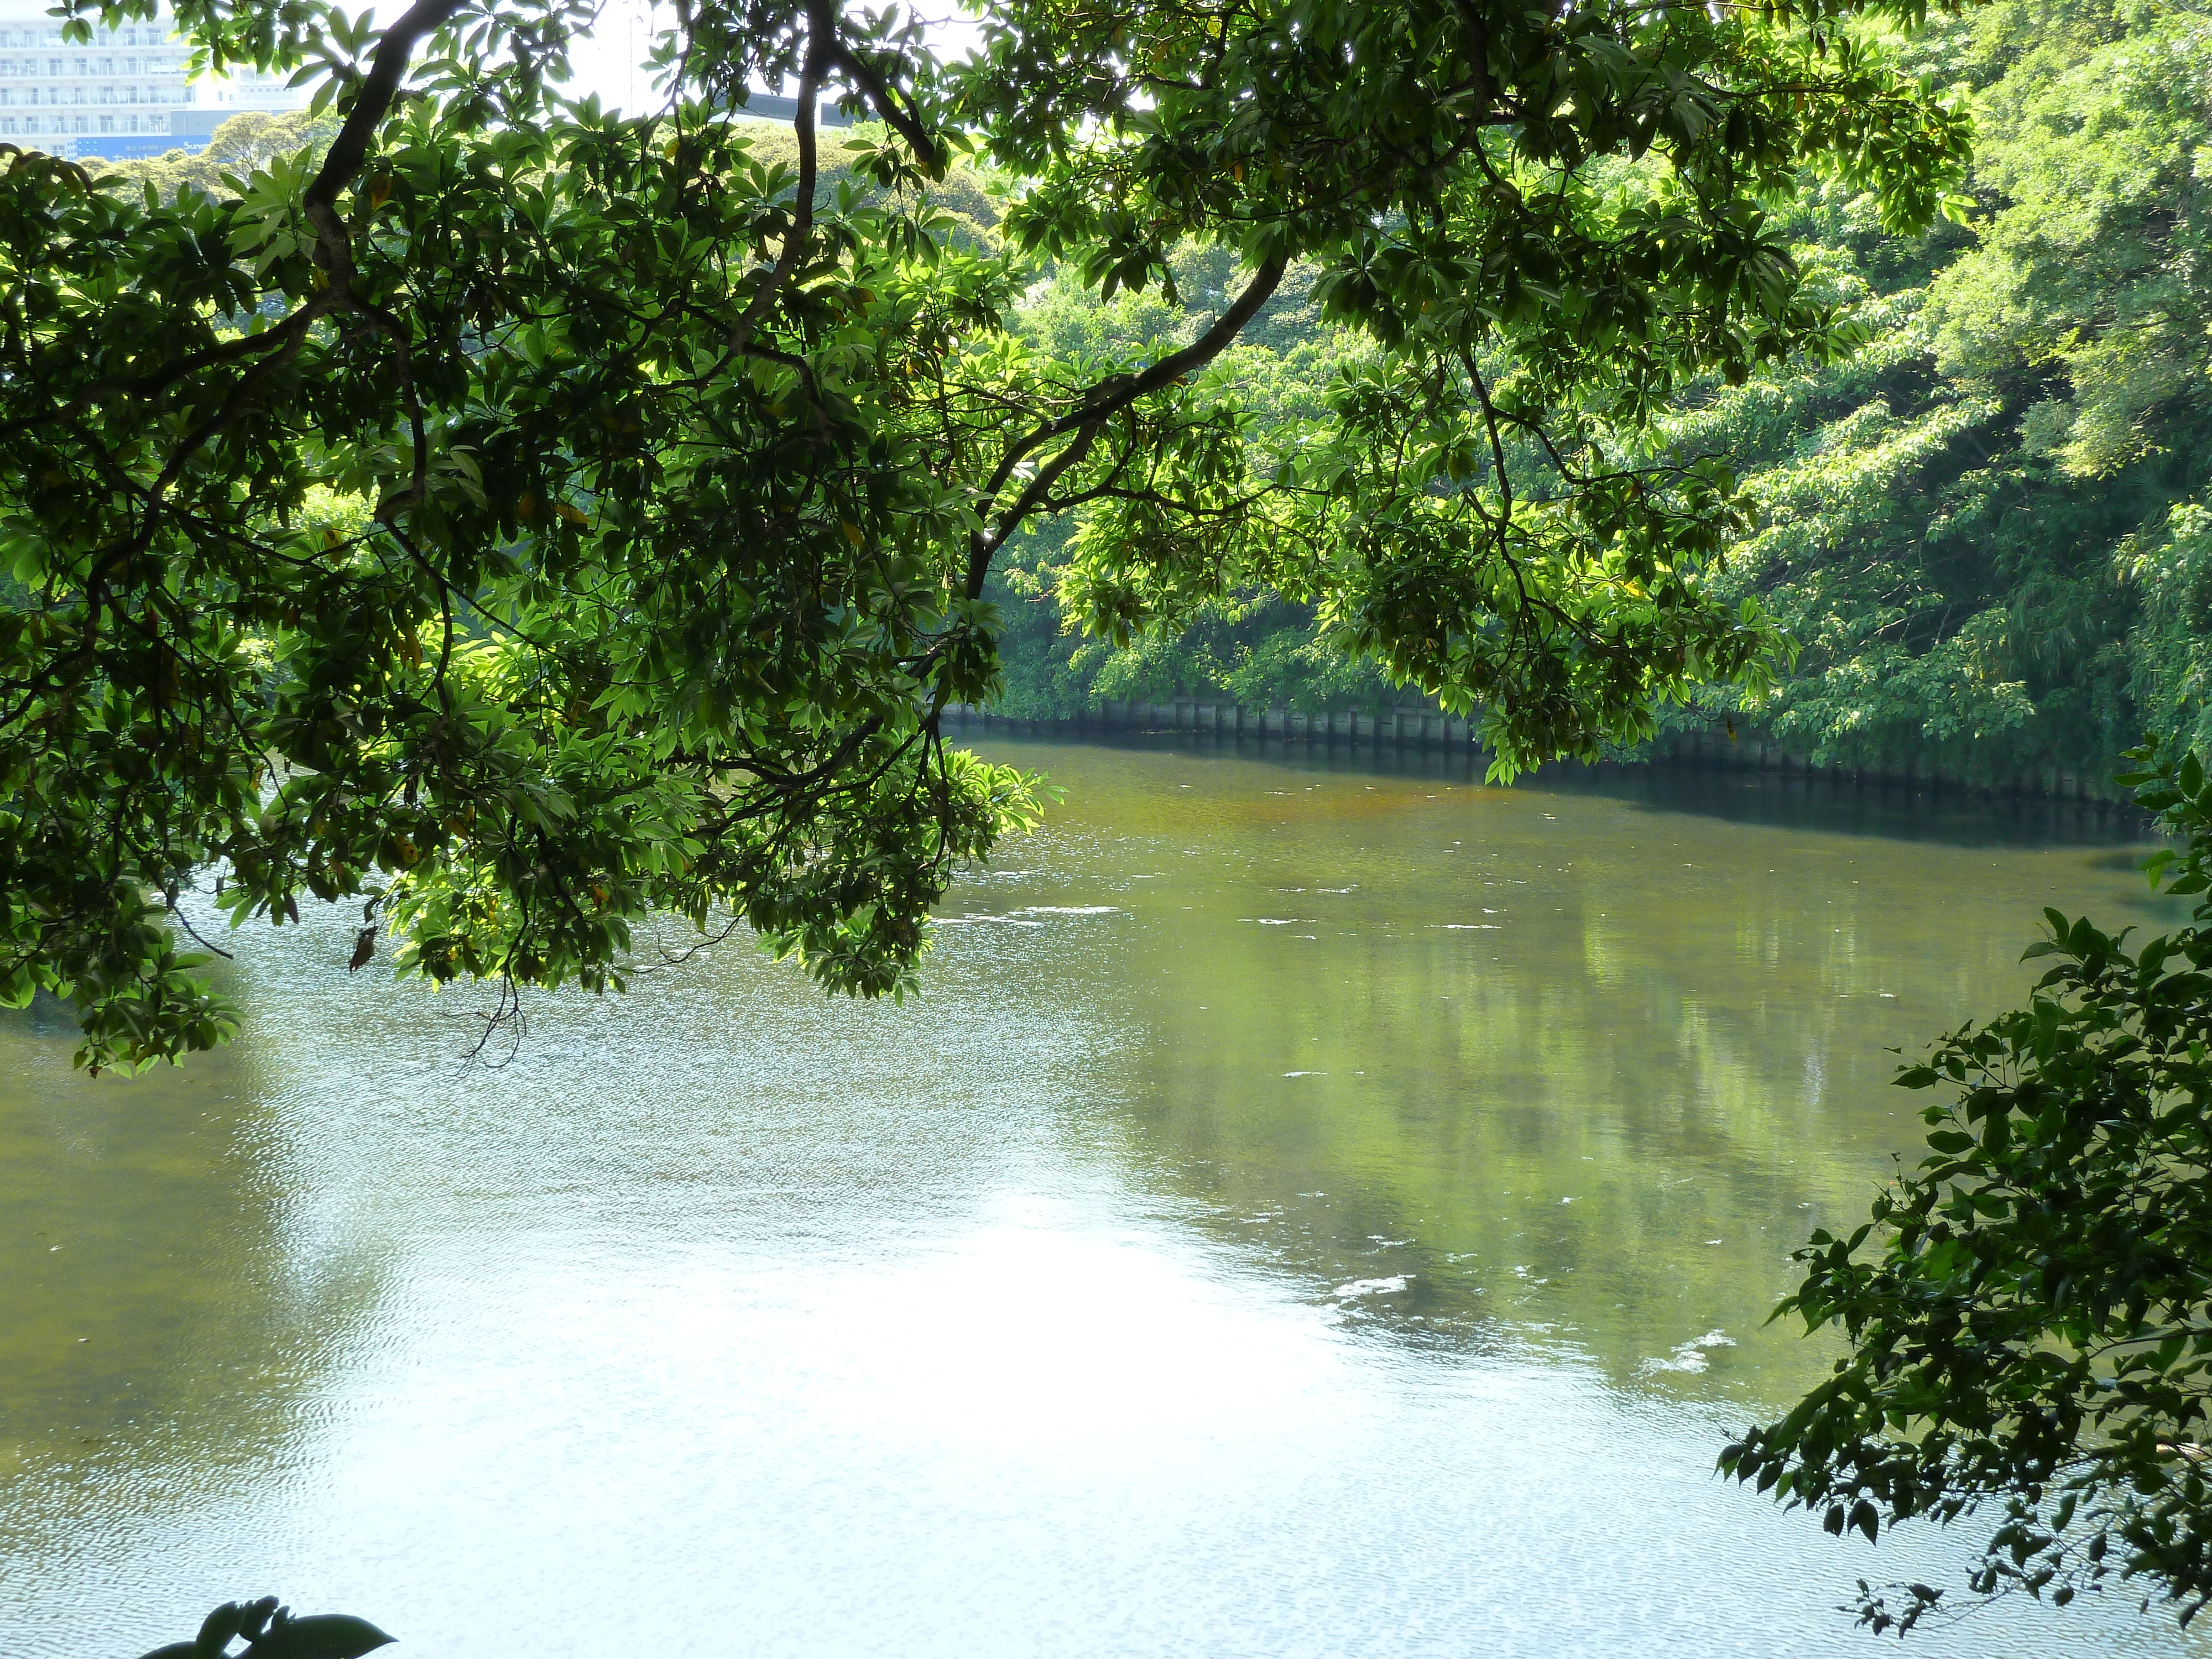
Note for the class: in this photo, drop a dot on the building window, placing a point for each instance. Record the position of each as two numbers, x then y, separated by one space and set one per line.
31 125
83 67
7 124
107 123
130 125
84 125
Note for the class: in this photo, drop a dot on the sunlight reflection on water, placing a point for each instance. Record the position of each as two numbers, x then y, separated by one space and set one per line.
1158 1285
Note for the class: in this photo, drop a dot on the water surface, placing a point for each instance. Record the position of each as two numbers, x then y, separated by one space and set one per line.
1310 1211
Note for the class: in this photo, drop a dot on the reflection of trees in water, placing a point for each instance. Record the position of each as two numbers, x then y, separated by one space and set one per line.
160 1349
1608 1119
1682 1054
1547 1166
230 1228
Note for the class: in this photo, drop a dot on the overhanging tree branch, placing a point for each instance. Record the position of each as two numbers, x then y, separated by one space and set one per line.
1099 404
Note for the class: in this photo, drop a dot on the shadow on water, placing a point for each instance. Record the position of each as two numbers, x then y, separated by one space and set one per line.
1836 804
1832 803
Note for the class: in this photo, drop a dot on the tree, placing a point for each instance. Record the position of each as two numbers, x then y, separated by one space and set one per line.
248 140
523 520
1984 531
2033 1329
1981 531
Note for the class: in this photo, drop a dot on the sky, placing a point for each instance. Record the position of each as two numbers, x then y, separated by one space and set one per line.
609 64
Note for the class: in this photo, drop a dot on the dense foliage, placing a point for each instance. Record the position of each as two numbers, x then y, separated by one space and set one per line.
2033 1330
1986 530
522 520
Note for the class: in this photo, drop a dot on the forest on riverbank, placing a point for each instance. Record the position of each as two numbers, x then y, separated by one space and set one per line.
537 525
1988 531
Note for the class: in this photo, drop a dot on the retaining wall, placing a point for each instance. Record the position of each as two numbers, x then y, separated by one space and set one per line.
1417 729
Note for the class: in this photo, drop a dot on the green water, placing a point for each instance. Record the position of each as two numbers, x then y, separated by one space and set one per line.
1309 1210
1569 1062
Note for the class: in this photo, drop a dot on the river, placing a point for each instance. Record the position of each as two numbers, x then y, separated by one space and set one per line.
1310 1211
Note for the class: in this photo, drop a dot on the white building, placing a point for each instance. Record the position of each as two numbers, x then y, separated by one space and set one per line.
125 95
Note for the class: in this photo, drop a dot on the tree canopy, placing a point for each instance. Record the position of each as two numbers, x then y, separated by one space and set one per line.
1985 529
522 520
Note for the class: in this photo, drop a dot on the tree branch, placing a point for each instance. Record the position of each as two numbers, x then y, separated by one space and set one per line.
387 68
821 42
897 113
1101 403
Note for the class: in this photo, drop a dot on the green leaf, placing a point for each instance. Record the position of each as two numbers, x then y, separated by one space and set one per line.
320 1635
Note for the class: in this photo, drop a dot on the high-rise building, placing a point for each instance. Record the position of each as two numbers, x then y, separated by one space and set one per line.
122 96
